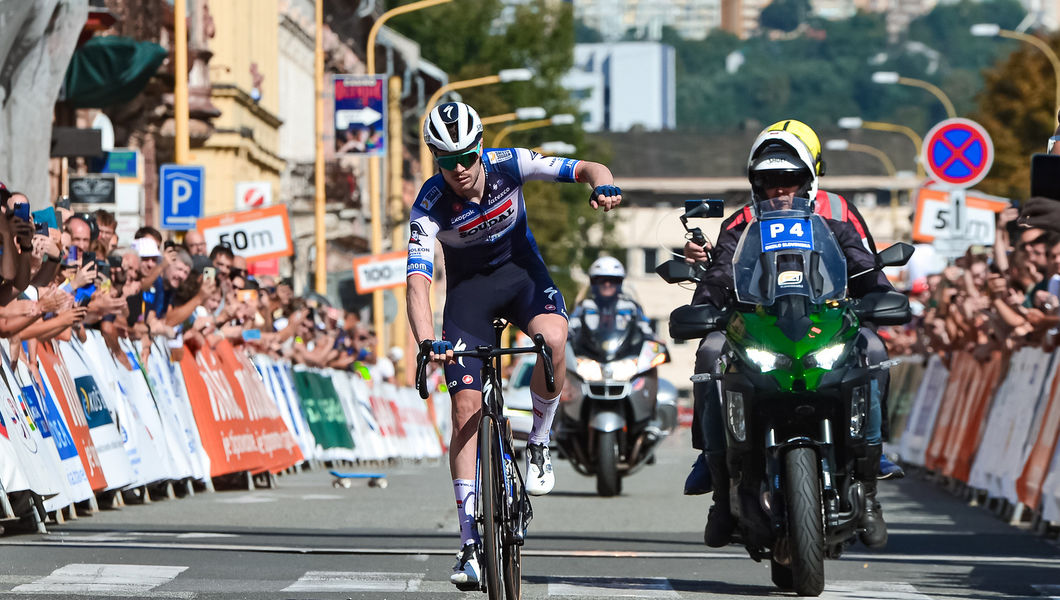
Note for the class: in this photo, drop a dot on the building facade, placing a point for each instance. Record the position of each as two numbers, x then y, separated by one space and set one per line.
624 85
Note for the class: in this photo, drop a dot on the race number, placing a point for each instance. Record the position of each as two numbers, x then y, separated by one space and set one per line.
786 234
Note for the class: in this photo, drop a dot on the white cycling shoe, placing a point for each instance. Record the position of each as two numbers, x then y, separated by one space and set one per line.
466 570
539 477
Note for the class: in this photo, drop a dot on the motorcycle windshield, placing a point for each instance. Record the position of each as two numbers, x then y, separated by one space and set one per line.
789 252
609 340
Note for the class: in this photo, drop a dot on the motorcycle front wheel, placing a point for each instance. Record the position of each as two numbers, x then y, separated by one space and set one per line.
805 525
608 481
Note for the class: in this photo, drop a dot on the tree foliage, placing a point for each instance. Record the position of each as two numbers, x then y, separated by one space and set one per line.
785 15
1017 107
469 39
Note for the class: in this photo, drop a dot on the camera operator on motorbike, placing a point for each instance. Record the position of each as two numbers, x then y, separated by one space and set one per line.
475 209
606 275
784 163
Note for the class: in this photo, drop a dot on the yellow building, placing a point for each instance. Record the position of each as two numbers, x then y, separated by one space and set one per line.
244 75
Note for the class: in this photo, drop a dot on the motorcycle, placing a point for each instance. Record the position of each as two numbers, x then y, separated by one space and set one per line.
795 390
610 418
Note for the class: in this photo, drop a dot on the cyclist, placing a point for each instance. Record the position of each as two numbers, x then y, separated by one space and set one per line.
606 275
785 162
475 209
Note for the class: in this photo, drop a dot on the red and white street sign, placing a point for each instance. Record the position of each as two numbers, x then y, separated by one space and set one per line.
258 234
958 153
379 271
253 194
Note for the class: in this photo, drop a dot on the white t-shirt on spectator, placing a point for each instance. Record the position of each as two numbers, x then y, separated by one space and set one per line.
383 369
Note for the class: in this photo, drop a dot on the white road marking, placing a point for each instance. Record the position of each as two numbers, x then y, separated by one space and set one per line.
323 497
356 581
871 590
1047 590
248 499
611 587
83 578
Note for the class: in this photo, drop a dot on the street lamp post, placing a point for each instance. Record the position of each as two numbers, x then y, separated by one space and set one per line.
995 30
561 119
858 123
844 145
504 76
520 114
891 78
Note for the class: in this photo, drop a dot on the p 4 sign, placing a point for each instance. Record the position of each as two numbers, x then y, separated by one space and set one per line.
258 235
786 234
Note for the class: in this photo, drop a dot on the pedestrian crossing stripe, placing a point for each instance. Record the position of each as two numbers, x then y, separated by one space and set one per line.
88 578
611 587
356 581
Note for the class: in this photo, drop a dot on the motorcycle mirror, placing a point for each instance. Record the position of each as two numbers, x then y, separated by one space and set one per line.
705 208
676 271
895 255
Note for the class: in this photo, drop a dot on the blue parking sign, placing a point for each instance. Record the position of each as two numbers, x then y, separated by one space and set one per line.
180 188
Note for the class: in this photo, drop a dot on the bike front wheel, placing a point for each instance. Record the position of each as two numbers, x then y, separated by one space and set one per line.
491 488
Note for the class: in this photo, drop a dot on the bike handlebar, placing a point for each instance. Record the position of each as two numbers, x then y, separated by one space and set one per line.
485 353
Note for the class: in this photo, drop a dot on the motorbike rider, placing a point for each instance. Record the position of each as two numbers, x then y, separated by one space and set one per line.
606 275
475 209
784 163
830 206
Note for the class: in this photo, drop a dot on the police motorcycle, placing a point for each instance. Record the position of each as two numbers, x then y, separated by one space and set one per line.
794 388
614 409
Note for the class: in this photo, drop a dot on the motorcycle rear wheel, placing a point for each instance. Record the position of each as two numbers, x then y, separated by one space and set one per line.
608 480
805 525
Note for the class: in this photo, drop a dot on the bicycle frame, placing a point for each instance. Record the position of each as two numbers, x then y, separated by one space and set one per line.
507 512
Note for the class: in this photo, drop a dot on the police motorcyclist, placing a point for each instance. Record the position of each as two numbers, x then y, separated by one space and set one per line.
607 301
781 167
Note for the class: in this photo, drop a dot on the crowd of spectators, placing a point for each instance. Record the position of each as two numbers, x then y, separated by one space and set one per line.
998 298
62 272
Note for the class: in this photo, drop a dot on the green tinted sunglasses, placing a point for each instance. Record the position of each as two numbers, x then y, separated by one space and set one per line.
464 159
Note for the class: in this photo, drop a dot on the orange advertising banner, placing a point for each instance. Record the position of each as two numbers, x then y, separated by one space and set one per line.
962 414
73 411
277 447
219 416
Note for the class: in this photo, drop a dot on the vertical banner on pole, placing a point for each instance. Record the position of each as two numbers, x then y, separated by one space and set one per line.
359 123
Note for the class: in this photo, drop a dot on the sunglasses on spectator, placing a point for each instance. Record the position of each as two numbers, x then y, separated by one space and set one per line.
464 159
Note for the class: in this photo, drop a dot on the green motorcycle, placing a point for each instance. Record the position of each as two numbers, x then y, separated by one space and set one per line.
795 389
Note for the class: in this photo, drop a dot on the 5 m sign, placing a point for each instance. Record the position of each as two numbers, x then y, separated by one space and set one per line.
258 235
379 271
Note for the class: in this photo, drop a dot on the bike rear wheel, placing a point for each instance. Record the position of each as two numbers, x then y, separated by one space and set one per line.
805 524
489 473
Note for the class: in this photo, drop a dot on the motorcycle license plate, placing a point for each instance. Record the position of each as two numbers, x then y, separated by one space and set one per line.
786 234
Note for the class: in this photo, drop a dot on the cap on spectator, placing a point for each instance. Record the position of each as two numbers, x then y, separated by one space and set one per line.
146 247
920 285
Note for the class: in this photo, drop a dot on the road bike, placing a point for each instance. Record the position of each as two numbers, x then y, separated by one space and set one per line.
502 506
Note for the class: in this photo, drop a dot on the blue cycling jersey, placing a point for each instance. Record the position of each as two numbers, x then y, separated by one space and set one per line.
479 237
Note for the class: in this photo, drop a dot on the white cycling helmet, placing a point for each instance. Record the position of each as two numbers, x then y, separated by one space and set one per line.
452 127
607 266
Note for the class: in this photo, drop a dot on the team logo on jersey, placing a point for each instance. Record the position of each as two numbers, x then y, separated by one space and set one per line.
550 307
430 198
417 233
551 293
460 346
453 383
499 155
468 380
489 219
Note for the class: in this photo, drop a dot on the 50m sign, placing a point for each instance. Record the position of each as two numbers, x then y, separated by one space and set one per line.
260 234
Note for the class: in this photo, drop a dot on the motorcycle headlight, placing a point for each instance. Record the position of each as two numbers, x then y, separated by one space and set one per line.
589 370
766 360
737 418
826 357
623 370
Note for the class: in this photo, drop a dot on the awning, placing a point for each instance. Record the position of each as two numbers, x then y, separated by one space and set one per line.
110 70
